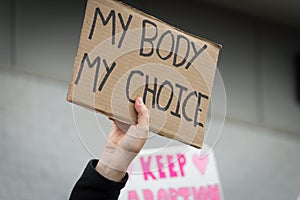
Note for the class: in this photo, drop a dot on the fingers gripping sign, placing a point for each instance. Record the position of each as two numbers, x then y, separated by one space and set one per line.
124 143
143 114
131 138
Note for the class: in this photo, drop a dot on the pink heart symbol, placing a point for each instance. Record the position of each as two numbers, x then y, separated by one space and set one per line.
200 163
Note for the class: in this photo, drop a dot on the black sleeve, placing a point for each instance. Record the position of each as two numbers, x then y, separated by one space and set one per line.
92 185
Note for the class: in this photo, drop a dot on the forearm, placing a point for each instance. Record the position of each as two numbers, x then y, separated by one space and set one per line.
114 161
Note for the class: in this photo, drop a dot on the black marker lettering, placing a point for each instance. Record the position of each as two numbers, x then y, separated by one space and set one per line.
181 89
165 83
91 65
196 54
185 104
153 91
159 43
148 40
108 72
196 123
124 27
179 38
105 22
128 83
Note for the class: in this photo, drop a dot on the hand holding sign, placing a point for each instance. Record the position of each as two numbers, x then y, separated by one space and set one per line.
124 53
125 142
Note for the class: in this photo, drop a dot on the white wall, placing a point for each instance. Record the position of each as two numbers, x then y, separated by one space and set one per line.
258 163
41 152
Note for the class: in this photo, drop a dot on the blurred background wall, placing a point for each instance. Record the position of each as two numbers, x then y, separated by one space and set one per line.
258 151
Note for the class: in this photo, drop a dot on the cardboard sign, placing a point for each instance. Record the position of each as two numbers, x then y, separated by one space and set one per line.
175 173
124 53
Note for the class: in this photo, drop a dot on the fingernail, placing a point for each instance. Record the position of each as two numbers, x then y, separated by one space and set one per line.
140 100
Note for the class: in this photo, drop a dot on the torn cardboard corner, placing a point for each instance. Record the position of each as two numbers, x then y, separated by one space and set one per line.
124 53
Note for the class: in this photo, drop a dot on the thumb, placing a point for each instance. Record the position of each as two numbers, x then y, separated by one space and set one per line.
143 117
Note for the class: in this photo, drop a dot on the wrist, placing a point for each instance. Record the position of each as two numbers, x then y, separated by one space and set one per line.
110 173
116 158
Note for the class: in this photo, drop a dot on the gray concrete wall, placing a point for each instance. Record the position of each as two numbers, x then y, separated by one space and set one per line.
41 153
5 34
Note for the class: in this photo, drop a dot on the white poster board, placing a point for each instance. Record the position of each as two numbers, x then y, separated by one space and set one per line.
173 173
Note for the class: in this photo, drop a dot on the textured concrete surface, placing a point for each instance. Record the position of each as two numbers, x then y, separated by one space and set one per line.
41 155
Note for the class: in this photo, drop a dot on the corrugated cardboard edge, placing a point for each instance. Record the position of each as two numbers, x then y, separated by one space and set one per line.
70 89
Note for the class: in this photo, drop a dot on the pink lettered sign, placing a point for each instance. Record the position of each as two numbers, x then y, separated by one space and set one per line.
173 173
